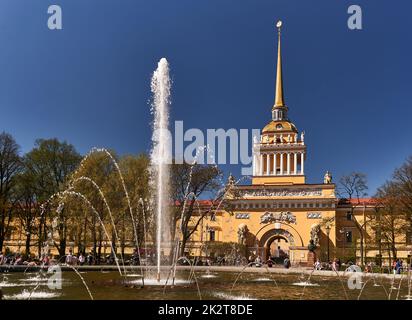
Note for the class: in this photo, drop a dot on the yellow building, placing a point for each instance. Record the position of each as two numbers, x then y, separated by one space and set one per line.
279 213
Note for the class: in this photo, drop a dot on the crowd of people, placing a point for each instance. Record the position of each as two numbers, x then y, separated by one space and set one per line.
17 259
397 266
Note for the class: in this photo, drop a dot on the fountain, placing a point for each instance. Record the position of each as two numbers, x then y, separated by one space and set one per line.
161 155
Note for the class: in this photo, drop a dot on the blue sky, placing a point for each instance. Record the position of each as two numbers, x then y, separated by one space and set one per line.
89 83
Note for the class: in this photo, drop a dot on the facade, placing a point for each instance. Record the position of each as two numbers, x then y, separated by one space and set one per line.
279 214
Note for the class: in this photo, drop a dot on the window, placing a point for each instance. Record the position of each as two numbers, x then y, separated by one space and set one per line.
349 216
212 235
242 215
348 236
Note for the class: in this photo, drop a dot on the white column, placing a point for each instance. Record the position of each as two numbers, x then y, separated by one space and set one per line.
281 163
267 164
274 164
302 169
254 164
261 165
288 164
295 164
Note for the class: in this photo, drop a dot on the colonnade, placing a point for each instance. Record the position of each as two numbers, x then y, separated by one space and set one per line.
279 163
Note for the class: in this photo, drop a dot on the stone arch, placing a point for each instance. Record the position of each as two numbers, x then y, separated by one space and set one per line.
276 233
298 241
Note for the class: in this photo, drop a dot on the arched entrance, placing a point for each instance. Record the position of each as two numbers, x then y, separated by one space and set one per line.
276 244
277 248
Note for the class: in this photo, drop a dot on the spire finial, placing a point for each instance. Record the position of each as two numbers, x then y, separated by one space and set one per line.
279 101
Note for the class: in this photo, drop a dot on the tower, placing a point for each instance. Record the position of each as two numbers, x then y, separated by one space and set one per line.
279 154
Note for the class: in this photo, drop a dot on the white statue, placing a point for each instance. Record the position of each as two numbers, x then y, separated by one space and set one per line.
314 234
302 136
241 232
327 178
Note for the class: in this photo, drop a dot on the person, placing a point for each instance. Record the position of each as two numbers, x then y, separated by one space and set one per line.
69 258
2 258
258 261
398 266
81 259
334 265
135 258
46 260
19 260
89 259
394 266
318 265
338 264
286 263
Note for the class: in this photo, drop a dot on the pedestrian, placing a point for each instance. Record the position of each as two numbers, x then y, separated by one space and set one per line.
338 264
318 265
46 260
89 259
286 263
19 260
69 258
398 266
334 265
81 259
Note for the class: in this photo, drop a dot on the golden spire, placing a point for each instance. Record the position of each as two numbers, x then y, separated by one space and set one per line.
279 101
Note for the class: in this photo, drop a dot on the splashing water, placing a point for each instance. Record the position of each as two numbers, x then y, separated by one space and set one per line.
161 152
27 295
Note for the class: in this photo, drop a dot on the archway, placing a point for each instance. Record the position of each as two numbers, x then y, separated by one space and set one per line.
277 249
276 243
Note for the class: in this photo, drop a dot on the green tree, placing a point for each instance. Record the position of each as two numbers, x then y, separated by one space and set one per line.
99 181
49 164
10 165
136 176
27 205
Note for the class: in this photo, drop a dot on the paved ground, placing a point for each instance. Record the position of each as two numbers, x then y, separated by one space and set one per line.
274 270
